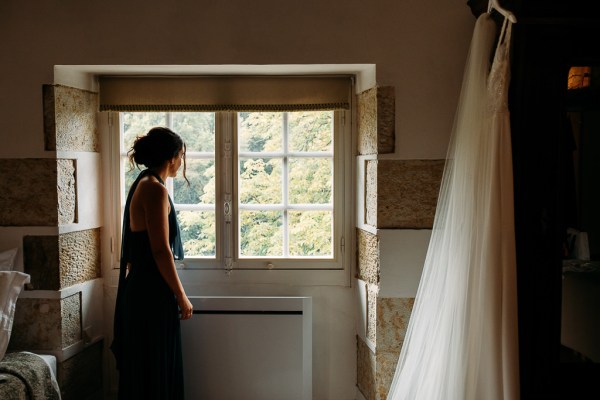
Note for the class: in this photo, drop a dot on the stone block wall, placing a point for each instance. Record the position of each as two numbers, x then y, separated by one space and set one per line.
29 196
402 194
366 370
70 119
63 261
398 194
56 262
375 114
47 324
392 321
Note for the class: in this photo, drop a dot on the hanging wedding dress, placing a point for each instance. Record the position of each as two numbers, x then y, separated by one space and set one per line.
461 342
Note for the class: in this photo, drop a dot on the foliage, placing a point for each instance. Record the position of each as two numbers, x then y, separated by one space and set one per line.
300 150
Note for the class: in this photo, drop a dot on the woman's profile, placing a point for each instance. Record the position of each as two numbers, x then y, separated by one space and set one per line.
150 298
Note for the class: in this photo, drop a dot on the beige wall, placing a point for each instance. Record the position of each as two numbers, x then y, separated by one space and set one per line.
418 47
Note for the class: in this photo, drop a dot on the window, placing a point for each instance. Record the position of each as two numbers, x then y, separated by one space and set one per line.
266 188
268 160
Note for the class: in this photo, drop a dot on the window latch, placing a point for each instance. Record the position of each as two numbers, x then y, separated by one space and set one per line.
227 209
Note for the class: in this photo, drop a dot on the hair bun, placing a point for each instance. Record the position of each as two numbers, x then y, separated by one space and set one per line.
141 148
157 146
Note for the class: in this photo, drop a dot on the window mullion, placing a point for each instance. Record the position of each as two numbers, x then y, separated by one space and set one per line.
225 157
285 194
116 163
169 182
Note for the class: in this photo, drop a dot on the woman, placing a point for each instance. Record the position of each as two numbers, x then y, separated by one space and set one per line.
151 298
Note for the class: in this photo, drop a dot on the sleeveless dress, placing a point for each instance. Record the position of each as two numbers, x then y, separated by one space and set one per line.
461 342
147 337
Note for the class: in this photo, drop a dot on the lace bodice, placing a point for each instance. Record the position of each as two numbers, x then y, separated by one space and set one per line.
499 77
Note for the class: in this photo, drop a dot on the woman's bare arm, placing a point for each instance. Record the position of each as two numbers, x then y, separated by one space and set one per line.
155 203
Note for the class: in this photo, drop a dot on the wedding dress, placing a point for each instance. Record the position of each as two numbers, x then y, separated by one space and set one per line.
461 341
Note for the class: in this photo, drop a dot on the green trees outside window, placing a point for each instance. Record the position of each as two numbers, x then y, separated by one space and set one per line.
282 180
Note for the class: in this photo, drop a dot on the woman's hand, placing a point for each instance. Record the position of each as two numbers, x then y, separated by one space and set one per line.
185 306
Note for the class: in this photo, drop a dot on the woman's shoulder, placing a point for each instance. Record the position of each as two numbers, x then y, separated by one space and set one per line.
150 187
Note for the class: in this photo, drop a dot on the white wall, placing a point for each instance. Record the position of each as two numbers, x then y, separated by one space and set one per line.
419 47
401 261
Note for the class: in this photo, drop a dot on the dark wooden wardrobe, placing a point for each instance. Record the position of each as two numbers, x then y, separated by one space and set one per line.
556 153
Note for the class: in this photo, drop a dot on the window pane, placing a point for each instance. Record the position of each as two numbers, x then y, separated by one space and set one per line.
201 190
311 131
196 129
261 233
260 181
258 131
310 233
310 180
198 232
285 171
131 173
138 124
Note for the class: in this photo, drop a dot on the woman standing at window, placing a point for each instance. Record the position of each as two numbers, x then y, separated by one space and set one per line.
151 298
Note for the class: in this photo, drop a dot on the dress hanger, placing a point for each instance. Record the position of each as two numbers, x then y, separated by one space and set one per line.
493 4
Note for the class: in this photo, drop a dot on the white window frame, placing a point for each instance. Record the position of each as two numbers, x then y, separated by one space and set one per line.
226 255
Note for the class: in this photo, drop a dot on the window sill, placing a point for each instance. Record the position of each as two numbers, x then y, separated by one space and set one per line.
191 278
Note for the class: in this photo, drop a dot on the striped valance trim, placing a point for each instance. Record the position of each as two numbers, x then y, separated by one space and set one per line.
222 107
224 93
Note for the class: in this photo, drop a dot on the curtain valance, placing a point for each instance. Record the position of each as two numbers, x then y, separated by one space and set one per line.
224 93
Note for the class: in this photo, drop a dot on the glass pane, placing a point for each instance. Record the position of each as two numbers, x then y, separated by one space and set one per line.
311 131
196 129
310 233
260 181
261 233
260 131
131 173
198 233
310 180
201 190
138 124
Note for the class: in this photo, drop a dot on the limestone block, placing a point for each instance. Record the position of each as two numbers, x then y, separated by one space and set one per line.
407 192
365 370
70 122
376 120
368 257
28 188
79 257
80 377
67 195
46 324
56 262
376 371
71 319
38 192
371 192
393 315
372 315
37 325
386 367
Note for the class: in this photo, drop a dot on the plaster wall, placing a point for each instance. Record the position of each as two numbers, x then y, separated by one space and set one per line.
401 261
419 49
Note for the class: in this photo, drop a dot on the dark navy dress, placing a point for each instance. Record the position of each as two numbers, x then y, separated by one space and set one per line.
147 337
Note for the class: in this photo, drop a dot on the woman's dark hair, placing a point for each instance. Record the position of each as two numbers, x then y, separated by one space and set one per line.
157 146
